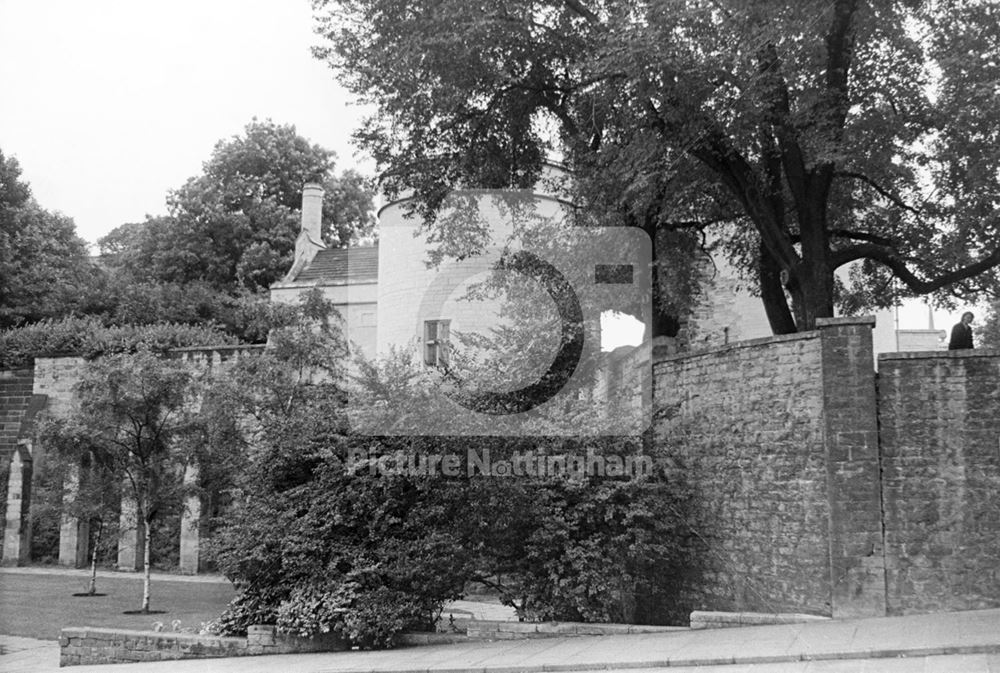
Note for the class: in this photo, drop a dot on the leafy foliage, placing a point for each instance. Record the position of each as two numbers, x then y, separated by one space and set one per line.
89 338
235 225
989 333
43 263
809 135
322 540
132 432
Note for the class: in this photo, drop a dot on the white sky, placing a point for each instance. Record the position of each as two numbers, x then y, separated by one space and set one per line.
108 104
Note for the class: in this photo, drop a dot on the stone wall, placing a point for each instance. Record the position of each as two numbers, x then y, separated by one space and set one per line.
940 432
50 386
722 309
88 646
774 441
56 378
741 426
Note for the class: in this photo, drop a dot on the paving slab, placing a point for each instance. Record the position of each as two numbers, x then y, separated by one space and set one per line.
27 655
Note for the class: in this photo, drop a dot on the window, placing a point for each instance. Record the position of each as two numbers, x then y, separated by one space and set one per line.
436 342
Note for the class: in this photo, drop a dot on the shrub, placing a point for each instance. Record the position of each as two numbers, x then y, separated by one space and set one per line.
318 549
315 544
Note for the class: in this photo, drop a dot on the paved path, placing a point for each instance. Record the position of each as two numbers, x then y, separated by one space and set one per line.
27 654
967 642
84 573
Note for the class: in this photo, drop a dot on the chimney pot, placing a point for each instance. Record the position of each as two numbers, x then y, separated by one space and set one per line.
312 211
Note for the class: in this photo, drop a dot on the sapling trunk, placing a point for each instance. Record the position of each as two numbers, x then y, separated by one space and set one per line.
146 567
93 558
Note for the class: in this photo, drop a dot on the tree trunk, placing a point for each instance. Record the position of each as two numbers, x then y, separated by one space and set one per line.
772 294
93 558
812 295
812 276
146 567
664 323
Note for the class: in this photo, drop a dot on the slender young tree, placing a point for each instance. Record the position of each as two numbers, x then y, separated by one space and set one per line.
137 418
94 495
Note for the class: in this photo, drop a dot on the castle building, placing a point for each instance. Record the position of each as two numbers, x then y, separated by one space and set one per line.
389 296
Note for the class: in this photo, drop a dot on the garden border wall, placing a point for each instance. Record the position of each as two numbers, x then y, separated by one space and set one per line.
80 646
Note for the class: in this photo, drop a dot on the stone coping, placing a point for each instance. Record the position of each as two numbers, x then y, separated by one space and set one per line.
486 628
944 355
68 632
738 345
220 347
711 619
840 321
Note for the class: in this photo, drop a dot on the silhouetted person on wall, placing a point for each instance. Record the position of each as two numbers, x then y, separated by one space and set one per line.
961 334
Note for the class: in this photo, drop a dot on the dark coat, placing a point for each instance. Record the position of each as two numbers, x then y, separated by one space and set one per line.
961 337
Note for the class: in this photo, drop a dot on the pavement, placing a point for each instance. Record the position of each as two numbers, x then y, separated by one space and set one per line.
962 641
966 642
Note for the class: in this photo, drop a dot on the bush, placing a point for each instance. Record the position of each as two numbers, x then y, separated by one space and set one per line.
318 549
316 544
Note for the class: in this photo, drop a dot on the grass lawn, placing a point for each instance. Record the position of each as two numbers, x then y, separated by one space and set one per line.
37 606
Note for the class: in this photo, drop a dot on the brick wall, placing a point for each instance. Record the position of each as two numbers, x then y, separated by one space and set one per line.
940 431
775 442
15 397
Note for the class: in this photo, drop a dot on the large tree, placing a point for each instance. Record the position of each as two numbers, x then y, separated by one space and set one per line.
43 263
234 225
804 136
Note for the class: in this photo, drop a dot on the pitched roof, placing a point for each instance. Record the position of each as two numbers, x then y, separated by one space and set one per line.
342 266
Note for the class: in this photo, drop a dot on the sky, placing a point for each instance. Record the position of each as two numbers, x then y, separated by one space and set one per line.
109 104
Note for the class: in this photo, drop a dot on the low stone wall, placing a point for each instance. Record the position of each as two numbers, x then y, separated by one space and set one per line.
83 646
706 619
497 630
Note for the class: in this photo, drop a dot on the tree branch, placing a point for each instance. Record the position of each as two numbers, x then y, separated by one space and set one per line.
737 175
839 54
699 224
862 236
579 8
890 258
878 188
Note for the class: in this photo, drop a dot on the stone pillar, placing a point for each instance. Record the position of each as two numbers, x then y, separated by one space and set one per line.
130 536
17 527
74 533
190 520
857 550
